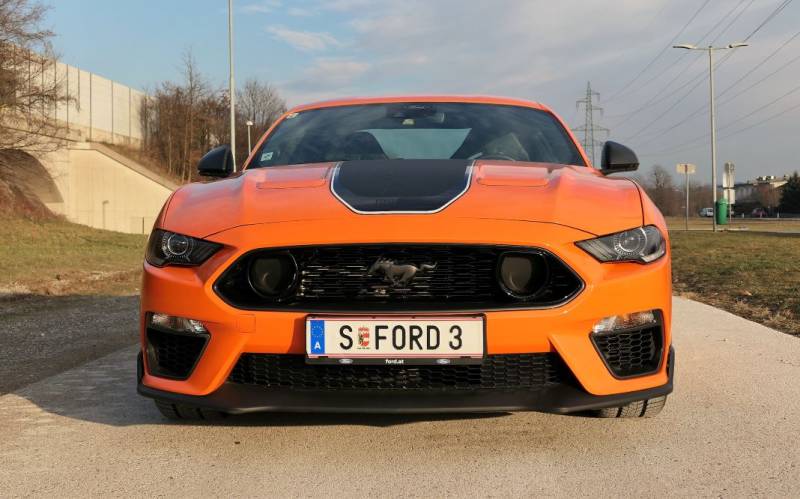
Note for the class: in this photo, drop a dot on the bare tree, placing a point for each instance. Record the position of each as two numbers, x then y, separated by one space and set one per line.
260 102
661 189
768 196
30 87
181 121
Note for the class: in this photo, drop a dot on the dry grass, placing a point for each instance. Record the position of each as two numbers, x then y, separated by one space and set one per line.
756 276
738 224
54 257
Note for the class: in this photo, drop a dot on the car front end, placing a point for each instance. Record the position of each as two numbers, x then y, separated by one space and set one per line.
325 294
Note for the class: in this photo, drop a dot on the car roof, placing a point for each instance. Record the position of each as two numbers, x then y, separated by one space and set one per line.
476 99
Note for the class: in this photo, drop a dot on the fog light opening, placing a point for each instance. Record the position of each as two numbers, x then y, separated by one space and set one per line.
177 324
626 321
523 275
272 275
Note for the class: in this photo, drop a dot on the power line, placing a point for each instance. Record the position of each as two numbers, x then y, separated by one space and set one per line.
769 18
675 104
734 84
658 56
678 149
655 98
763 23
698 42
701 139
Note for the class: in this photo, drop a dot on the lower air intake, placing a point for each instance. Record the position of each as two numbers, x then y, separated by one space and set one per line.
517 372
632 352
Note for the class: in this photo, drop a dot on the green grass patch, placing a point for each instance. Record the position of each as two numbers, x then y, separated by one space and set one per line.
57 257
756 276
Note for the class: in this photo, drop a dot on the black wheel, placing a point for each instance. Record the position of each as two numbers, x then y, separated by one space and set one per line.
639 409
182 412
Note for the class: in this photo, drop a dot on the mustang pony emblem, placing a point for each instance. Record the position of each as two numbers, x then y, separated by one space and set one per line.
398 274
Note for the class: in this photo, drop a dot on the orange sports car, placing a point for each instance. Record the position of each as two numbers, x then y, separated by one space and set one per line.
409 254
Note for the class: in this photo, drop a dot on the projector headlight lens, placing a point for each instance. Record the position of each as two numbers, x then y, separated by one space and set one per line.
169 248
642 245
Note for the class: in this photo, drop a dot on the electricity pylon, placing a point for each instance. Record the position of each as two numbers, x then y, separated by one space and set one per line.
589 128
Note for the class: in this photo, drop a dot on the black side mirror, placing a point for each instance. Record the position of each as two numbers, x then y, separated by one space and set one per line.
217 162
618 158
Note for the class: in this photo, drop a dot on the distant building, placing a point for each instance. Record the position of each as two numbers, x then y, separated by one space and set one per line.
752 190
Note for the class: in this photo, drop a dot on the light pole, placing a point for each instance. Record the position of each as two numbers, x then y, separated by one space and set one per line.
231 85
249 147
710 51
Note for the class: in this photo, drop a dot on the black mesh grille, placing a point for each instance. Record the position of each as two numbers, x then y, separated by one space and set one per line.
173 355
631 353
520 372
448 277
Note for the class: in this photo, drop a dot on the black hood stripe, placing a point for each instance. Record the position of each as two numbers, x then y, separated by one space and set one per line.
374 187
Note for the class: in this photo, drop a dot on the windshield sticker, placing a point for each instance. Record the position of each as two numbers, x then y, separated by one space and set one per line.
266 156
291 115
408 122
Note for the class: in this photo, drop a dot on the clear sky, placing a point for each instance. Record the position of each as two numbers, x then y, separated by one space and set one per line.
541 50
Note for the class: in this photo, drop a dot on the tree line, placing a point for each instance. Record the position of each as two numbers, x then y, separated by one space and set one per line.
670 196
182 120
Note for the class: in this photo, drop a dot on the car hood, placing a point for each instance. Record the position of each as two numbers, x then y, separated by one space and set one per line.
576 197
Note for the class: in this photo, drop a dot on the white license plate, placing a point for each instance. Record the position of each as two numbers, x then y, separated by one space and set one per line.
395 340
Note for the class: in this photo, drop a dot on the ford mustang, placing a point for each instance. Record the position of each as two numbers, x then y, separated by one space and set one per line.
409 254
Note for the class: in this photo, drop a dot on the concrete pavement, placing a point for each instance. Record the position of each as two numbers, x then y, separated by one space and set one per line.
732 428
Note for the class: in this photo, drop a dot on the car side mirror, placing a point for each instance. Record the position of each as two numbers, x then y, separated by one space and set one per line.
217 162
618 158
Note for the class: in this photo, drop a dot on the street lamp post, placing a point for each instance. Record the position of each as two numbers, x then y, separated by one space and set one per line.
710 51
231 85
249 147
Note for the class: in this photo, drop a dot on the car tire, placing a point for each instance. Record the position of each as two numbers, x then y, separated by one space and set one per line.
180 412
639 409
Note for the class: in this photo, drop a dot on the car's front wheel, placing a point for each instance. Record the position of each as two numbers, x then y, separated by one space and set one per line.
639 409
180 412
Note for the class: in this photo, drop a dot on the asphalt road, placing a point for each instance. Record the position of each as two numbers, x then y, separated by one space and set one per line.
732 428
40 337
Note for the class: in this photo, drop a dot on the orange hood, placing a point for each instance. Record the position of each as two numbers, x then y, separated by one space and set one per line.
578 197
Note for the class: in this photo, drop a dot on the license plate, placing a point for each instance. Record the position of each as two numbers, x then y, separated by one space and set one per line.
395 340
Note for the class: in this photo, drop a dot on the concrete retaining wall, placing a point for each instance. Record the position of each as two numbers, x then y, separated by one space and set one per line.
105 190
100 109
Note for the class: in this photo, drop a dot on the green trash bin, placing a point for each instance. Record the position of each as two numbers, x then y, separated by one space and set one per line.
721 211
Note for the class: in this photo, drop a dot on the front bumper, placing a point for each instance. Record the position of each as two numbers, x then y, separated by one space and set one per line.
609 290
562 399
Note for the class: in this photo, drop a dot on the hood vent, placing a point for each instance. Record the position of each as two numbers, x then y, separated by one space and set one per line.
400 185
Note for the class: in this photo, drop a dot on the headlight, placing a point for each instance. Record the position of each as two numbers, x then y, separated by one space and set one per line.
643 245
169 248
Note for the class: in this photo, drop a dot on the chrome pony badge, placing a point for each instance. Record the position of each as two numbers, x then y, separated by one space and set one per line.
398 275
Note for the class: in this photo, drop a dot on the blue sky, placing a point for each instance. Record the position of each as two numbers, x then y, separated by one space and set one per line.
535 49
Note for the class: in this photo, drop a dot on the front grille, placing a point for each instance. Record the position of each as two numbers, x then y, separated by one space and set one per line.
631 353
449 277
173 355
518 371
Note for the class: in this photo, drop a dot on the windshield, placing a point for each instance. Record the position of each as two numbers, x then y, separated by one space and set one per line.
418 131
